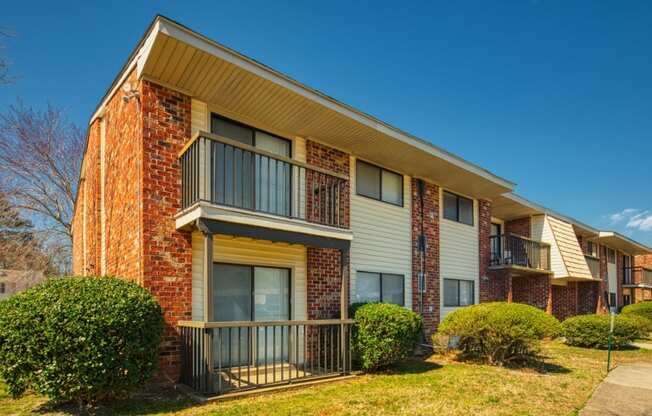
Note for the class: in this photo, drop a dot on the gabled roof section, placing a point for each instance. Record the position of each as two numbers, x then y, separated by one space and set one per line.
176 57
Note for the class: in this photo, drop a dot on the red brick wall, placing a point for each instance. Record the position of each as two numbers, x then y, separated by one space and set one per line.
334 160
166 252
588 297
123 194
565 300
324 265
496 287
77 232
430 212
487 284
519 226
531 290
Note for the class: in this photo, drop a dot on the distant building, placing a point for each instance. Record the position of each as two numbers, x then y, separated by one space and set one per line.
14 281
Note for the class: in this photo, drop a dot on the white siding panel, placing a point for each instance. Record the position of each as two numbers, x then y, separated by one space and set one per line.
382 237
198 116
299 150
546 235
253 252
459 256
612 273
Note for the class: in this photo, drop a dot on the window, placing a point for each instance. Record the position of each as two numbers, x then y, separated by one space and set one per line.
611 255
251 136
459 292
378 183
612 300
495 243
592 249
380 287
457 208
2 287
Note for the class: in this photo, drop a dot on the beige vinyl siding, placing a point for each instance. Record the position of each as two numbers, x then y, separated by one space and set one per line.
198 116
299 149
570 249
252 252
541 231
612 274
381 237
459 253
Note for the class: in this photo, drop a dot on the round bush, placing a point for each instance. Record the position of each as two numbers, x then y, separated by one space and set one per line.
593 331
499 332
384 334
79 338
642 309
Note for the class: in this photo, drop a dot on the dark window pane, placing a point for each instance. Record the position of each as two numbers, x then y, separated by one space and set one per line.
393 289
272 144
368 180
450 206
451 294
232 292
466 210
392 191
232 130
367 287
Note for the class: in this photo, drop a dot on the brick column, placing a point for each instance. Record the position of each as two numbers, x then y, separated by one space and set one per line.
167 252
426 258
489 287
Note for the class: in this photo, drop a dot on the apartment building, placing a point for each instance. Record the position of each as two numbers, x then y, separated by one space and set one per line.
256 209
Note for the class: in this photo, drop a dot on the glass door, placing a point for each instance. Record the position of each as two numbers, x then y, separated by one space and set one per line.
250 293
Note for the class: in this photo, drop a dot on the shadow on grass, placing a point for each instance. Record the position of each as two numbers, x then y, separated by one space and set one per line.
538 364
412 366
150 400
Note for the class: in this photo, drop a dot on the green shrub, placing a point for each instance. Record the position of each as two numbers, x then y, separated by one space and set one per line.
499 332
593 331
385 334
642 309
79 338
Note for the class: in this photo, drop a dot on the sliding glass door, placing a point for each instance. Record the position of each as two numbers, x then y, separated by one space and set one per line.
250 293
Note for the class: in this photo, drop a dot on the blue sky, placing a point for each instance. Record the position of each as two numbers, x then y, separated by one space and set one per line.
553 95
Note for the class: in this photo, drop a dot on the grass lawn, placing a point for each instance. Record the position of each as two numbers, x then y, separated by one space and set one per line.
438 385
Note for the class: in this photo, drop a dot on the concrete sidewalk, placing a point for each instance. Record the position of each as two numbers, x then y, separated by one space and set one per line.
627 390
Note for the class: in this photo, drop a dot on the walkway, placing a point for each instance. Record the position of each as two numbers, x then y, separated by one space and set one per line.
627 390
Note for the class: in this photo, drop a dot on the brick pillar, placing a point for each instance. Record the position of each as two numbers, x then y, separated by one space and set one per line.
167 252
489 289
426 217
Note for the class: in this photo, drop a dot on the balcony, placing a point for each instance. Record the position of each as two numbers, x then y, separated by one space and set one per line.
637 276
516 252
594 265
221 358
236 182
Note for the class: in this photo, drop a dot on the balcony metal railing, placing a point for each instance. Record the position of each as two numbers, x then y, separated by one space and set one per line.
226 357
594 265
637 275
511 249
225 172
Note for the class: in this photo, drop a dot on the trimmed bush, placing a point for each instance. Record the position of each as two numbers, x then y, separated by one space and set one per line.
499 332
384 334
79 338
592 331
642 309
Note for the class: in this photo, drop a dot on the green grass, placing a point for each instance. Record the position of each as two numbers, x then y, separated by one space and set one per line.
439 385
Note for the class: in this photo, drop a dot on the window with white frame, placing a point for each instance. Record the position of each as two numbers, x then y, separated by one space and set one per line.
380 287
378 183
459 292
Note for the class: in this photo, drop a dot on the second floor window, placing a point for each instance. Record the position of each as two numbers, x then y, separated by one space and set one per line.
378 183
611 255
592 249
251 136
457 208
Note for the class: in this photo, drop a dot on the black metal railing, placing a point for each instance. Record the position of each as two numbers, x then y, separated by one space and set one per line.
225 357
637 275
594 265
514 250
225 172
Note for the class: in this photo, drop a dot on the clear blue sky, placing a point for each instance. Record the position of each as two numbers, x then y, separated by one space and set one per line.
553 95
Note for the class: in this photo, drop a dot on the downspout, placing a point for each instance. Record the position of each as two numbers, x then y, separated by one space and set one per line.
421 282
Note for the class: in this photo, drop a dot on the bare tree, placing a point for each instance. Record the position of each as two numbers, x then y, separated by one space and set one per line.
40 159
4 64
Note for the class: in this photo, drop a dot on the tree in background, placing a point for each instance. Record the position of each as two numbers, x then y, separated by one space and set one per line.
40 159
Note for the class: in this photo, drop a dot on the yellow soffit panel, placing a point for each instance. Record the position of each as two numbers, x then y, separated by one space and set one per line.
569 248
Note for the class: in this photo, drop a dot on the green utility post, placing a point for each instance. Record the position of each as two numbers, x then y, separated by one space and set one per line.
611 332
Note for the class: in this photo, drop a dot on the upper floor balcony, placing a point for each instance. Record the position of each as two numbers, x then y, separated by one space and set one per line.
230 181
637 276
514 251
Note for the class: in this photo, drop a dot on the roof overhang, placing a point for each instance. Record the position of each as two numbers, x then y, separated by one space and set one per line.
176 57
622 243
